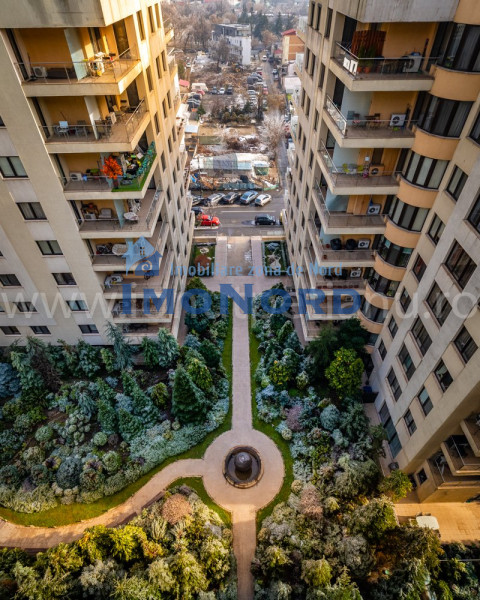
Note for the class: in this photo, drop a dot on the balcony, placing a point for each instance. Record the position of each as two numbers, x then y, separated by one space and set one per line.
96 76
325 256
339 222
117 133
168 31
460 457
443 477
471 430
353 179
137 312
355 131
385 74
91 185
139 223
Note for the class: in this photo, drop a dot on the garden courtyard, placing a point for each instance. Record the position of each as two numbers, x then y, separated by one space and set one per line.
142 509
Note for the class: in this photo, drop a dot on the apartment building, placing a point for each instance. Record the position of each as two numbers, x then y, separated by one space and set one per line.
292 44
239 38
92 159
384 181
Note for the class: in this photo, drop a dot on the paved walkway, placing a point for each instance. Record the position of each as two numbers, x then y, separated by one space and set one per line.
242 503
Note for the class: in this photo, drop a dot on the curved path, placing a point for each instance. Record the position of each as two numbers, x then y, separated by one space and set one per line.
242 503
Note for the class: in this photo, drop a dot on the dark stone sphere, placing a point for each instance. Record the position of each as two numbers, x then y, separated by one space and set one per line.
243 462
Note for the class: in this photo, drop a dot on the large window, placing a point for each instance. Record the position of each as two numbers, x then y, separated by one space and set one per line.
406 362
9 280
424 171
460 265
382 285
474 216
463 48
25 307
11 166
424 400
436 229
443 376
475 133
405 299
40 329
394 385
438 304
420 335
393 254
465 345
392 326
407 216
456 183
64 279
382 350
372 313
32 211
419 267
49 247
443 117
9 330
392 436
410 422
77 305
88 329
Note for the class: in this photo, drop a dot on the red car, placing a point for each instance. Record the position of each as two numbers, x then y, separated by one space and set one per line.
207 221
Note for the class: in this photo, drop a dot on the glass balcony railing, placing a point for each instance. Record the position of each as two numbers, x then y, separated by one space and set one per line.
117 128
102 69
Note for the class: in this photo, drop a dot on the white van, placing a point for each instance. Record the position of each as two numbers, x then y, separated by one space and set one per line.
199 86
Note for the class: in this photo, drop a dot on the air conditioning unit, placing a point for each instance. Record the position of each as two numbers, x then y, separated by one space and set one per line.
374 209
375 170
39 71
397 120
413 63
363 244
355 273
75 176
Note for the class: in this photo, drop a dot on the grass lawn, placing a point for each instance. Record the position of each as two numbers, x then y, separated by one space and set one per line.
73 513
269 429
204 259
196 483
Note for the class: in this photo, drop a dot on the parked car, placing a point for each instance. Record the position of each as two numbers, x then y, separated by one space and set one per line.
196 200
275 77
198 210
208 221
262 199
213 199
230 197
264 58
265 220
260 72
188 65
265 90
229 90
248 197
274 71
221 91
214 90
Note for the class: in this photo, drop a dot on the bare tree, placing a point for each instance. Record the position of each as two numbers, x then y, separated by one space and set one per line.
202 32
220 51
273 131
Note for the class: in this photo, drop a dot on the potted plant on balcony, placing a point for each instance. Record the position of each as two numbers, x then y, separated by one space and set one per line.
112 170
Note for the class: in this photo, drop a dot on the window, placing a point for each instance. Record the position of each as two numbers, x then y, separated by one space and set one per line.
169 100
443 117
474 216
406 362
419 267
88 329
159 70
392 327
11 166
25 307
10 330
407 216
436 229
328 25
382 350
463 49
157 124
49 247
475 133
322 75
372 313
149 79
151 20
162 159
394 385
465 345
315 121
424 400
77 305
394 255
164 60
460 265
422 476
424 171
318 14
438 304
443 376
382 285
164 108
456 183
2 124
392 436
141 29
405 299
9 280
40 329
421 337
64 279
157 14
372 339
32 211
409 422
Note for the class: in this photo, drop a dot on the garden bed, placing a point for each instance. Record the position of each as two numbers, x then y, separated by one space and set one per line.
275 258
203 259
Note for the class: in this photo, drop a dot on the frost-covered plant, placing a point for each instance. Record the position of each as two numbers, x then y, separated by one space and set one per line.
100 439
293 417
284 431
302 380
69 472
159 395
32 456
330 417
44 434
151 352
98 580
108 359
9 381
168 348
88 358
112 461
121 347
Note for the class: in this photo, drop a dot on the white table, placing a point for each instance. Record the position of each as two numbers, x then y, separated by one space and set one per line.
428 521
